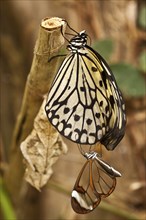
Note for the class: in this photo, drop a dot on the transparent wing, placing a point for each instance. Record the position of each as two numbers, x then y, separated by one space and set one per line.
84 103
83 198
92 184
107 168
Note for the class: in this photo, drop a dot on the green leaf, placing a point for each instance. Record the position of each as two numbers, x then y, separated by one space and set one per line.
5 204
142 62
129 80
142 17
104 47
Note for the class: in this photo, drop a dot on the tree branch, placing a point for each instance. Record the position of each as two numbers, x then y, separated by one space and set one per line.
38 83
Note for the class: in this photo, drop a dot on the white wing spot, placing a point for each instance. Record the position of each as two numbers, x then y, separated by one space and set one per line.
67 131
60 127
83 138
50 114
55 121
81 201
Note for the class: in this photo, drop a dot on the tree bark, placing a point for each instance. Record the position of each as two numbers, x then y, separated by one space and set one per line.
38 83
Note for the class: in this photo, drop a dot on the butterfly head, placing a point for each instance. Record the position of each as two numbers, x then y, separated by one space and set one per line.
78 41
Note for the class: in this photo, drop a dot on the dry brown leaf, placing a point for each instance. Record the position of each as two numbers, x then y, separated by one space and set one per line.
41 149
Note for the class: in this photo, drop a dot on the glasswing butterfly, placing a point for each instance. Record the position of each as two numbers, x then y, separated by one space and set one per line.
96 180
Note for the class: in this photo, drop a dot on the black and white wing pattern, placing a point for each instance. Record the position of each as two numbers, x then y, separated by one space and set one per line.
84 103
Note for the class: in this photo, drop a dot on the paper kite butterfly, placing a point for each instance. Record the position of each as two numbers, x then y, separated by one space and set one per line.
84 103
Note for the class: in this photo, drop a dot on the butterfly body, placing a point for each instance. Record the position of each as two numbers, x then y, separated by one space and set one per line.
84 103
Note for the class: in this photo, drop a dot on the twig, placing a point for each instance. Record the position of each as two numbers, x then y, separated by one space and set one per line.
118 211
103 205
38 82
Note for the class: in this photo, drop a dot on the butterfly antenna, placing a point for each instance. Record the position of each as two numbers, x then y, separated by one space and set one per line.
80 149
70 34
90 41
70 26
64 35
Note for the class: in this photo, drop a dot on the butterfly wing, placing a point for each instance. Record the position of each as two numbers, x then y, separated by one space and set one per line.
92 184
83 198
84 103
103 182
109 98
107 168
